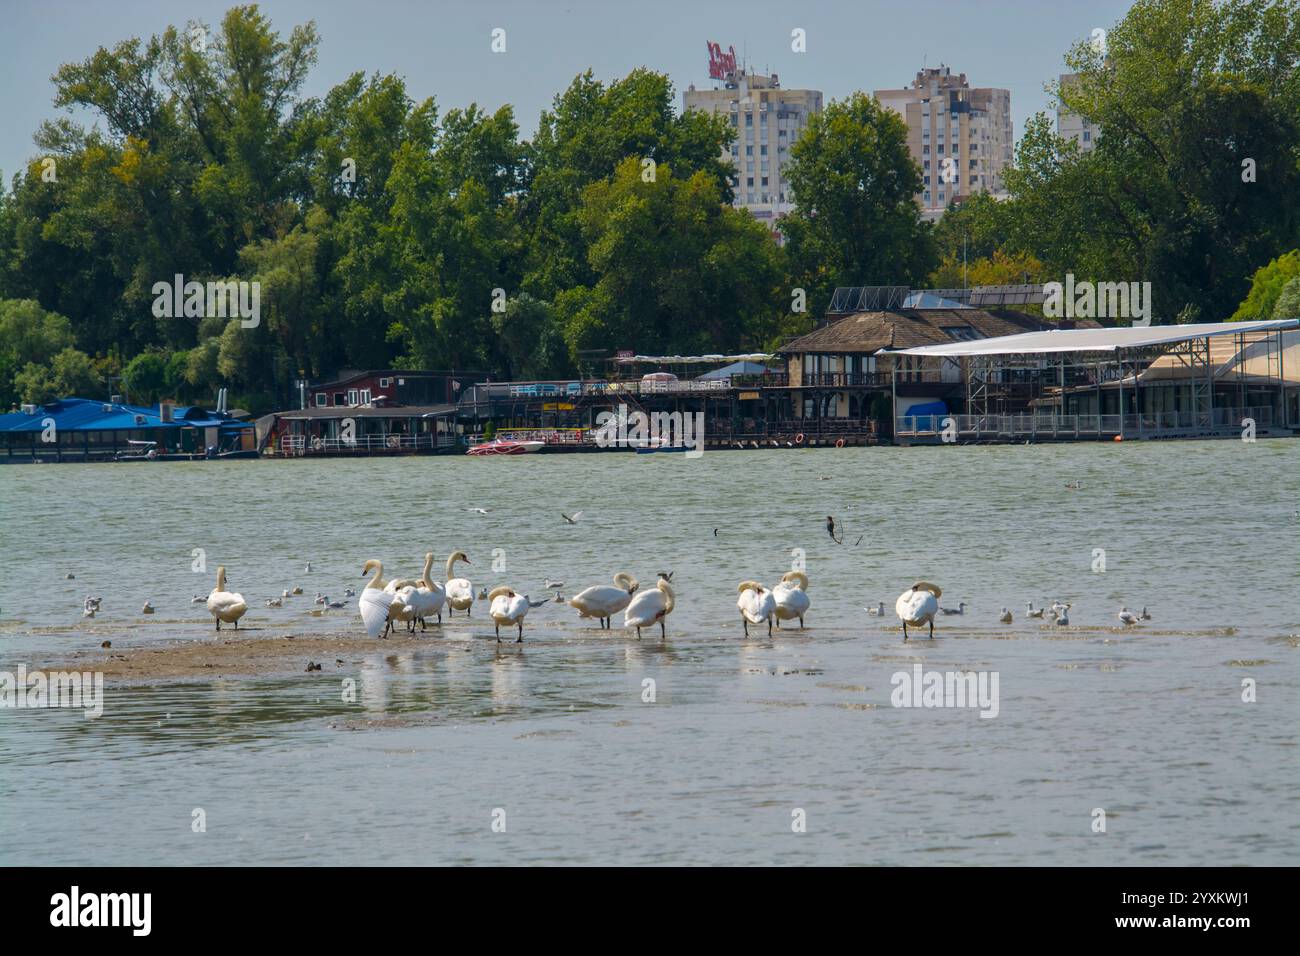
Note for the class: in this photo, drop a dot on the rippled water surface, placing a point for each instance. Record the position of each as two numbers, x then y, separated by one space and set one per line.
555 736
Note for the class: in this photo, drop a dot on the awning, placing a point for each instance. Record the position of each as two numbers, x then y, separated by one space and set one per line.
1093 340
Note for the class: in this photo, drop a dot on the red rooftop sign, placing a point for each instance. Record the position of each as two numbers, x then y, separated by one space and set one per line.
720 64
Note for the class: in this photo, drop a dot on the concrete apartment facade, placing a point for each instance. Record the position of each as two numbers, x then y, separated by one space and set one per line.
1072 126
767 120
961 136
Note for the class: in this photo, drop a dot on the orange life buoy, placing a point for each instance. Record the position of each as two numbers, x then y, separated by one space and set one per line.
798 439
839 443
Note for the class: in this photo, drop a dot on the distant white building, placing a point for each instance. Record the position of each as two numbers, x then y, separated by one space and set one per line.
1072 126
767 121
960 136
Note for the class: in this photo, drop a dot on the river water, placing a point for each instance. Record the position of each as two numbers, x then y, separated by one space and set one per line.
552 751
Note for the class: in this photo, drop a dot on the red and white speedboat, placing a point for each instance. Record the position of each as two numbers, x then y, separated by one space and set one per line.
501 446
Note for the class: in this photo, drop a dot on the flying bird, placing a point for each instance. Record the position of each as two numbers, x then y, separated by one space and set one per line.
573 518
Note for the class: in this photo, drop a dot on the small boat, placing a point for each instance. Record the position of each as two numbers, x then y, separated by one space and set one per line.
501 446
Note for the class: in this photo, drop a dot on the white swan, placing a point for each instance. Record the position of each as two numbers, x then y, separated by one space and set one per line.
756 605
650 606
791 597
225 605
374 601
429 594
603 601
460 593
918 605
508 608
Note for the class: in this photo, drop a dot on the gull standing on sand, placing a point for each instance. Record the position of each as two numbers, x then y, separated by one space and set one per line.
918 605
1005 618
1031 612
1126 616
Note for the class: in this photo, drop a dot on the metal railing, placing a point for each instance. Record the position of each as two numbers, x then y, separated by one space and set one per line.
295 445
1037 425
845 379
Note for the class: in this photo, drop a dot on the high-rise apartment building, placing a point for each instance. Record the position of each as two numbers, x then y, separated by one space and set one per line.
1071 125
767 120
960 136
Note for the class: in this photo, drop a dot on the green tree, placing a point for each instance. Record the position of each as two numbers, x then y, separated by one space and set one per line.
145 377
1288 303
28 335
857 221
1266 287
70 374
1193 180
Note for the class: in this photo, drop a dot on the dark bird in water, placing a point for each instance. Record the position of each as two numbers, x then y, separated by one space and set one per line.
830 530
715 532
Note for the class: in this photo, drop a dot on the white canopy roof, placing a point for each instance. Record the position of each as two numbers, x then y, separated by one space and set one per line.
1094 340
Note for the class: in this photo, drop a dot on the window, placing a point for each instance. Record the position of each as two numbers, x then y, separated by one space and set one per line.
1087 136
941 149
365 396
762 150
321 399
764 180
384 382
961 333
749 150
925 150
749 181
352 396
749 119
340 398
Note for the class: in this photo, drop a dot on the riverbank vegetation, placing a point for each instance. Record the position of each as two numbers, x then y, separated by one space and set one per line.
385 230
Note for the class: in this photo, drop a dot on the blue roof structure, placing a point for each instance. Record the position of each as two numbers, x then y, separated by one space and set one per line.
87 415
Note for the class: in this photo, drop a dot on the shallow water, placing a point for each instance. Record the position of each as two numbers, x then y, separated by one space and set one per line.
1146 723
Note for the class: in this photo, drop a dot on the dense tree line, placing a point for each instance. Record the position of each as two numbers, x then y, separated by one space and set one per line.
385 232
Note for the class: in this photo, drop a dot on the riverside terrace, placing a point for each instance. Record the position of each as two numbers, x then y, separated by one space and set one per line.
1180 381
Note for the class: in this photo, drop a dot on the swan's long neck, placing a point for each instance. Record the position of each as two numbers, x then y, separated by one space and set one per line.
221 579
428 566
377 581
668 593
451 564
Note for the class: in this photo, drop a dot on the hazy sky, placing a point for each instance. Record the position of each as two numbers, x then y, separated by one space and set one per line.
442 47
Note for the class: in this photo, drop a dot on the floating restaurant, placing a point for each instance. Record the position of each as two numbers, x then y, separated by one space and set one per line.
81 429
1176 381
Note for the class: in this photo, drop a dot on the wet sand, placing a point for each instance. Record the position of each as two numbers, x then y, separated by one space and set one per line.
250 655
